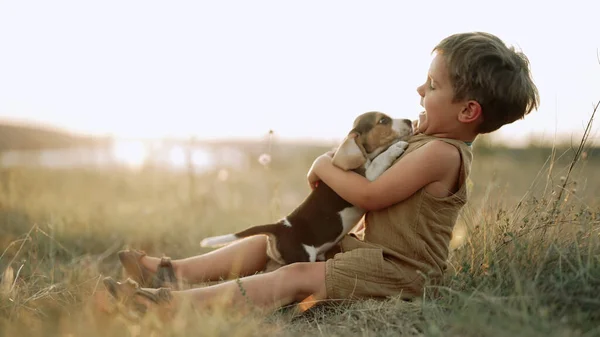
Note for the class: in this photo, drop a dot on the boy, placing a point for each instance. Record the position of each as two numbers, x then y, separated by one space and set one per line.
475 85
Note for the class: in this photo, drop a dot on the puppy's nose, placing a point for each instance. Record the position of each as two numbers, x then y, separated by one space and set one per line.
408 122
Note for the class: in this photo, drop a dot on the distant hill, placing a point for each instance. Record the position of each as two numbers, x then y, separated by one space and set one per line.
22 137
33 137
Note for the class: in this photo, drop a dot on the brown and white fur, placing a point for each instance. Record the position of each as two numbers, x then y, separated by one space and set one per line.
323 218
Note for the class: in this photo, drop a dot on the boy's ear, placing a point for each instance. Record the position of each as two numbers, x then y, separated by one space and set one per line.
471 112
349 156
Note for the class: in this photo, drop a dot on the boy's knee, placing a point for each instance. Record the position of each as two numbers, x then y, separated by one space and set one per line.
295 270
308 277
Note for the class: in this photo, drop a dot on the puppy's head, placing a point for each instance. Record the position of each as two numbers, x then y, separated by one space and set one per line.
372 133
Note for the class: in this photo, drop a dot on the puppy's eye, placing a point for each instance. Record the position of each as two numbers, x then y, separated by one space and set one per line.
384 120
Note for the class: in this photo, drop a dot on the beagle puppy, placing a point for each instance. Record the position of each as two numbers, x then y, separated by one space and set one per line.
323 218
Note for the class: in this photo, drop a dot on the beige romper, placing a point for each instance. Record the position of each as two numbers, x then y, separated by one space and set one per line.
399 242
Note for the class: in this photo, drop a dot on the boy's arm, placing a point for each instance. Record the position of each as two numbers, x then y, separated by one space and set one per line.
430 163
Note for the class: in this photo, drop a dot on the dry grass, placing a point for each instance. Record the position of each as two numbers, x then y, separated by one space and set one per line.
526 265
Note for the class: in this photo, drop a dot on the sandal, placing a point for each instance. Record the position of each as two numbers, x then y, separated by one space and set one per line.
164 276
125 293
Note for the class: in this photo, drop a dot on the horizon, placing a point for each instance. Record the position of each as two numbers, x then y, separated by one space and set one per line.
491 139
235 70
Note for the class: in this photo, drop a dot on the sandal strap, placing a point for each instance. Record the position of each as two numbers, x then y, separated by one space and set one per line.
161 296
164 295
165 275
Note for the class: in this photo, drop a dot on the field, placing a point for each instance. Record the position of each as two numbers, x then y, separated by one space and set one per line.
525 258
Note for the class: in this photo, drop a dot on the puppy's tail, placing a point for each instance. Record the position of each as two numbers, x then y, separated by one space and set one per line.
221 240
216 241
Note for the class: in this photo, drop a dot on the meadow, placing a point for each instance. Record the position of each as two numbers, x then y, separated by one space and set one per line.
525 257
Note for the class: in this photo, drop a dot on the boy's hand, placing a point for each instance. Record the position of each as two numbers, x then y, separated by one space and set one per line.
312 177
415 125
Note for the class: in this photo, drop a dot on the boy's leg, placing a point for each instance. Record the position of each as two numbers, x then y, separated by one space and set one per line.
245 257
267 291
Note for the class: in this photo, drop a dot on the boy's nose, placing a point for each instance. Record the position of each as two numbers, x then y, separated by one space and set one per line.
420 90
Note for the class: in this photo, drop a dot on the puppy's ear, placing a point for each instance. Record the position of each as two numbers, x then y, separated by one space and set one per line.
349 156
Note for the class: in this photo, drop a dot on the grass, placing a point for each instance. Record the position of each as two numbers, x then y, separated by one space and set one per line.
524 261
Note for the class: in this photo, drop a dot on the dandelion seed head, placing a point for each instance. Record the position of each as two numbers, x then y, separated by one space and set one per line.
264 159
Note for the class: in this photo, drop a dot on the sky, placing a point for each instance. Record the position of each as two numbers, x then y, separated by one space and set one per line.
304 69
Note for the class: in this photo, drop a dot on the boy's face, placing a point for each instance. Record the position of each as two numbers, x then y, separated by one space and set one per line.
441 113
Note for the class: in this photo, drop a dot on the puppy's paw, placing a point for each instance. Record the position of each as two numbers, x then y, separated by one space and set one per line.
401 144
398 148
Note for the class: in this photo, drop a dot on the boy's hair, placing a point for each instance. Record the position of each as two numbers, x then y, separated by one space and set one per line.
484 69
